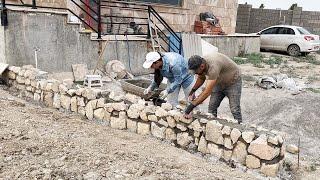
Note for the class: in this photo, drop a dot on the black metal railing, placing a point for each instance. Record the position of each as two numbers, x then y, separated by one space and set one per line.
109 24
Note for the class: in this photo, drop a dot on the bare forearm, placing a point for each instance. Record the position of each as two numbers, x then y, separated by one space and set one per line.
199 82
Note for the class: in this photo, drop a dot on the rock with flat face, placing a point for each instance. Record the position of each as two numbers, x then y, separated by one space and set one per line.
261 149
89 110
153 118
215 150
74 102
252 162
158 131
235 135
226 130
170 134
120 122
135 110
171 122
293 149
240 152
56 100
80 102
248 136
143 128
214 133
227 143
79 71
132 125
196 126
202 147
99 113
270 170
166 106
161 112
183 139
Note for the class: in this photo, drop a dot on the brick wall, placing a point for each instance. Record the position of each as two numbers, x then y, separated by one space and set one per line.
250 20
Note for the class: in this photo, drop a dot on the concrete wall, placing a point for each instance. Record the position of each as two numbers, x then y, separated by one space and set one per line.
250 20
235 45
60 43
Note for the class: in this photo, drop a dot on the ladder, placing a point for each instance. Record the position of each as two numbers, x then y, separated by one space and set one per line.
155 40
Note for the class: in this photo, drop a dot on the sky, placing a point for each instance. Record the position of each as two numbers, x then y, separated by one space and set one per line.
307 5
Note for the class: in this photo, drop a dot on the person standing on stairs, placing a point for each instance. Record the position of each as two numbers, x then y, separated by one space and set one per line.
174 67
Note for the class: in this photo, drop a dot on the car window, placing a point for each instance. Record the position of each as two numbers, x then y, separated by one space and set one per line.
303 31
270 31
284 30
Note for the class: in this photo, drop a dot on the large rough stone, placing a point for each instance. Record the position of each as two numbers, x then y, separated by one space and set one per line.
20 80
153 118
99 113
74 102
163 123
248 136
240 152
170 134
261 149
202 146
132 125
227 154
57 101
89 110
182 127
252 162
132 98
55 86
166 106
270 169
226 130
213 132
157 131
171 121
90 93
119 123
134 110
227 143
79 71
215 150
121 106
65 102
293 149
161 112
235 135
183 139
80 102
48 99
196 126
143 128
116 97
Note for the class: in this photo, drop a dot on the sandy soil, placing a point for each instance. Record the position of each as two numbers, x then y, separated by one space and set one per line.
42 143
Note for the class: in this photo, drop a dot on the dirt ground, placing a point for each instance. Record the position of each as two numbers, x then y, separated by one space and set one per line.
42 143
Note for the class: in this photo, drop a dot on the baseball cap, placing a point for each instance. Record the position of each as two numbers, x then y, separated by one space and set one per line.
151 57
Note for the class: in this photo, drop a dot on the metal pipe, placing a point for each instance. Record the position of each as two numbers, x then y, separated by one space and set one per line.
34 5
99 19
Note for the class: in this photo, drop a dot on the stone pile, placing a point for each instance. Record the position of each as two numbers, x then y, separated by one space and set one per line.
254 149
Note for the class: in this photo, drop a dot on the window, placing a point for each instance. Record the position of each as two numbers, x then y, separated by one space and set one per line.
170 2
273 30
303 31
288 31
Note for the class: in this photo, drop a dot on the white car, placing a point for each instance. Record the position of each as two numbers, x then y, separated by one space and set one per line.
293 39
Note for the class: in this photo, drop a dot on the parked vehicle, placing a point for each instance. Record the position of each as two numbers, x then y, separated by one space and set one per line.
294 40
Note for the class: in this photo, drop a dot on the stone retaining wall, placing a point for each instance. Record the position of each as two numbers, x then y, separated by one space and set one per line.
262 150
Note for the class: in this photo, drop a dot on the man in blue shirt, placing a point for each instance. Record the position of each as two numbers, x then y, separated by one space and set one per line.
173 67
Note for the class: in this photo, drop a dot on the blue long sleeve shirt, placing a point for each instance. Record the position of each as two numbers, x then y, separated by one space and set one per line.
175 69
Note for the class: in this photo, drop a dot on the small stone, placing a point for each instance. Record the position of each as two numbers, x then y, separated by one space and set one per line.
55 85
240 152
42 84
166 106
181 127
252 162
63 89
215 150
134 111
132 125
48 99
36 97
204 121
170 134
196 141
213 132
196 134
226 130
273 140
65 102
143 128
119 123
158 131
99 113
202 147
11 75
280 139
116 97
68 83
82 110
74 102
27 82
261 149
171 121
153 118
235 135
132 98
20 80
196 126
80 102
282 151
161 112
56 100
107 116
270 169
163 123
227 154
80 91
227 143
293 149
143 116
248 136
183 139
89 110
71 92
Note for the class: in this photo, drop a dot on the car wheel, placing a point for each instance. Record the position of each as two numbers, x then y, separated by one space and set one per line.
293 50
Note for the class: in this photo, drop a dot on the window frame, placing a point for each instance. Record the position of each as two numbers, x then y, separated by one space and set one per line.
277 29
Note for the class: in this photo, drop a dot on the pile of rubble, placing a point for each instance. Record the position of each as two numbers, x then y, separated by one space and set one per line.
254 149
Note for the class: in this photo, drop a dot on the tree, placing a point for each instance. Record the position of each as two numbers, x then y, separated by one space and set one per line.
261 6
293 6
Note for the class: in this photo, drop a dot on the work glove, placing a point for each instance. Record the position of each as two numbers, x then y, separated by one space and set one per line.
164 94
147 91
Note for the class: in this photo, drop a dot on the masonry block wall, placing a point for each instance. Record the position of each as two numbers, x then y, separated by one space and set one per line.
251 20
260 149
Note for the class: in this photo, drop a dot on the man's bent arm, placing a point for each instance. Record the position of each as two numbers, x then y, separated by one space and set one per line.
205 93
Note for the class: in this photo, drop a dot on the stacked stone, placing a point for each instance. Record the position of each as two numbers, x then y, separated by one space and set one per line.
254 149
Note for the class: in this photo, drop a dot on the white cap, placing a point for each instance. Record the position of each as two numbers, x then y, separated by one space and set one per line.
151 57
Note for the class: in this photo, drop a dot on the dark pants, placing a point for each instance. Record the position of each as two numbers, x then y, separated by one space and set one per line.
233 92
